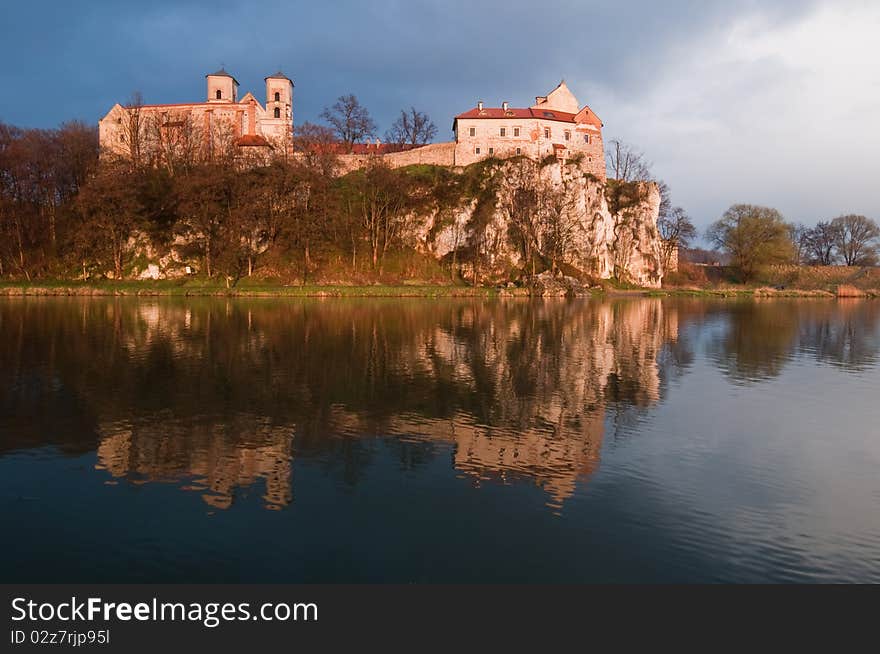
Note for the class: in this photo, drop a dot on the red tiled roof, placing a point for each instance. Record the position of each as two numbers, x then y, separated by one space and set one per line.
498 112
252 139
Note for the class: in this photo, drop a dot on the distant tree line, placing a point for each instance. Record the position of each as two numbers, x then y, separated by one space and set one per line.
749 236
755 236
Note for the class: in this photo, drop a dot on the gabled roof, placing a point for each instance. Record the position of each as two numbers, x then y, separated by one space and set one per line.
249 98
546 107
559 99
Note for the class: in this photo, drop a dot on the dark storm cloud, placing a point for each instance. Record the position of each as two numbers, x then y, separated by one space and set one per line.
710 90
78 58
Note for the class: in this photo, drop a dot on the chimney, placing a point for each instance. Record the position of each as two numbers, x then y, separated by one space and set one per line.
480 105
505 105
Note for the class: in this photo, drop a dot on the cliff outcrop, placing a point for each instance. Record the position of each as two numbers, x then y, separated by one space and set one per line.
551 225
533 217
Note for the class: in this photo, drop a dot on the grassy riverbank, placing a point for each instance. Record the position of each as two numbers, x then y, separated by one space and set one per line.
197 287
261 288
759 292
775 281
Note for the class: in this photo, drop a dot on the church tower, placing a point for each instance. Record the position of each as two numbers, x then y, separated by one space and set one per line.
222 87
278 123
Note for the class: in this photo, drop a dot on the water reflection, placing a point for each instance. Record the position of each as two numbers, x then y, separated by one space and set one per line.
761 337
222 397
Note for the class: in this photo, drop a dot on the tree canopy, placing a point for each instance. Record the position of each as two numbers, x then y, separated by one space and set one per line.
753 236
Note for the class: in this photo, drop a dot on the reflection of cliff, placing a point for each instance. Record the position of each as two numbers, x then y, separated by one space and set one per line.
553 368
209 393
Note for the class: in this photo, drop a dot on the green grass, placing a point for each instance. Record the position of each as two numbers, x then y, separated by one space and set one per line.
245 288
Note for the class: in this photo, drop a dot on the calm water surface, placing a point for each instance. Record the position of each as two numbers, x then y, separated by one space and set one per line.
439 441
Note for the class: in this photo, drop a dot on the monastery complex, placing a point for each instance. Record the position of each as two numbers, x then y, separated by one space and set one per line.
555 125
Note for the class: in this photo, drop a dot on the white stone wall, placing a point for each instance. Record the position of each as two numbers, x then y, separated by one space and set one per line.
214 125
532 140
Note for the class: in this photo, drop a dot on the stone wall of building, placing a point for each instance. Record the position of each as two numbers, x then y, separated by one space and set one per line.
480 138
222 123
435 154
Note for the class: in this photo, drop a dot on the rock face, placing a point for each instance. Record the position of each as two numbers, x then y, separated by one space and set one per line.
573 221
550 224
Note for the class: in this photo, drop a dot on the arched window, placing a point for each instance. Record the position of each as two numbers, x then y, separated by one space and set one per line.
277 96
219 94
277 112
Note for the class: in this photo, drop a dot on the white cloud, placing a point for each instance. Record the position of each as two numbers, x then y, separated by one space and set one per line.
755 111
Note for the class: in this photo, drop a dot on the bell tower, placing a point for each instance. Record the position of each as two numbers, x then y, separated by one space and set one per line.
279 97
279 107
222 87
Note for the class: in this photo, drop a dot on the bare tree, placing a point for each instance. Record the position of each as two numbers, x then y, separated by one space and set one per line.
178 144
818 243
134 128
857 240
676 230
205 208
110 207
559 220
520 203
384 200
411 128
317 147
350 120
626 164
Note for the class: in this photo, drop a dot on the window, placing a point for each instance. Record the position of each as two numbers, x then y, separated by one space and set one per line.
586 138
516 131
472 131
567 135
477 150
277 112
503 131
519 151
491 151
219 94
277 96
546 132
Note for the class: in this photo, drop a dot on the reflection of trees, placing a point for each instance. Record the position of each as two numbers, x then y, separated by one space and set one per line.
844 335
226 394
761 336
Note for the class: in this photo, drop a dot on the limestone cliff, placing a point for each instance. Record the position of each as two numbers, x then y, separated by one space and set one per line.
532 216
493 222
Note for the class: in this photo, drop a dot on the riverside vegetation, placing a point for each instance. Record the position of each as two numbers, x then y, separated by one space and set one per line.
75 223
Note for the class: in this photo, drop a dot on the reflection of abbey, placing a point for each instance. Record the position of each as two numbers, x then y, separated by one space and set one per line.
556 125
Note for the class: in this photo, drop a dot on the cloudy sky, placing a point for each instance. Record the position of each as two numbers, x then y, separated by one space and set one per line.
771 102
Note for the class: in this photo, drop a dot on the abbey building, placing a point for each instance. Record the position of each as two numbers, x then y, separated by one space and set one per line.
222 122
556 125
